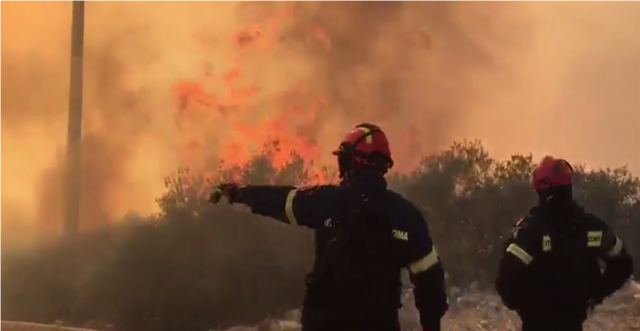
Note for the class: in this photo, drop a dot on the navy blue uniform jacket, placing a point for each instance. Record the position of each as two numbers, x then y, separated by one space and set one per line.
326 209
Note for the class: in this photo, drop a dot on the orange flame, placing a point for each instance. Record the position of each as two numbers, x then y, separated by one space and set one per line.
249 117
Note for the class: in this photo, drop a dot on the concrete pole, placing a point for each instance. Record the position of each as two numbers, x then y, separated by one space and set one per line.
74 133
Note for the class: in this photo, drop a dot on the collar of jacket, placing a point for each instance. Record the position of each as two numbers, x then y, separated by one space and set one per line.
366 182
561 214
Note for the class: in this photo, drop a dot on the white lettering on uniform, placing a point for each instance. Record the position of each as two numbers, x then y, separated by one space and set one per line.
400 235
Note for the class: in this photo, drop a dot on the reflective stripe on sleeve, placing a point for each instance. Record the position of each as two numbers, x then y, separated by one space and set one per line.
288 207
617 248
425 262
520 253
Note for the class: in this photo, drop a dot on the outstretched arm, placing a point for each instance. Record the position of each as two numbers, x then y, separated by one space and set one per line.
309 206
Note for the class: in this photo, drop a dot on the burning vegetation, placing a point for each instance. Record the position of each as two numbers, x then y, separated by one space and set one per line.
195 266
205 86
261 93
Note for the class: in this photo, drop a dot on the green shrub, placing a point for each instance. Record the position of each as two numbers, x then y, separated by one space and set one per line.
195 266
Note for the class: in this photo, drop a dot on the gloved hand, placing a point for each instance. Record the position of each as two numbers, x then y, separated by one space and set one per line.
229 190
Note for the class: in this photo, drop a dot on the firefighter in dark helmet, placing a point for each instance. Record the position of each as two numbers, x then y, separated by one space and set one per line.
364 233
550 273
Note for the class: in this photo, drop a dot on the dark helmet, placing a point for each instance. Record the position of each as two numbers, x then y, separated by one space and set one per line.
552 178
366 146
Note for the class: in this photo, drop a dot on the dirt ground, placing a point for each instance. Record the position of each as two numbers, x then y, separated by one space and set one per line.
25 326
471 311
483 311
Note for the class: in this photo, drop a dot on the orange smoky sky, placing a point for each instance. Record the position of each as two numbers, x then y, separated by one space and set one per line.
175 84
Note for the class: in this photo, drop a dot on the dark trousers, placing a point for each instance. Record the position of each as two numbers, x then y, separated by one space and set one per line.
349 319
551 324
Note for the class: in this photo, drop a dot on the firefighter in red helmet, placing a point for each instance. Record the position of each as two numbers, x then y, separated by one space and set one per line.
550 272
364 234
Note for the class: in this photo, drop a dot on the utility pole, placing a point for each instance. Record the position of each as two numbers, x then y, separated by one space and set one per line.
74 133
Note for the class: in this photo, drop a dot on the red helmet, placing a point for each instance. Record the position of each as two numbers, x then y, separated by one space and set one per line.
551 173
365 145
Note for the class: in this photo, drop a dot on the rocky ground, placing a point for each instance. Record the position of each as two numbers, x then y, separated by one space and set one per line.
484 311
471 310
475 310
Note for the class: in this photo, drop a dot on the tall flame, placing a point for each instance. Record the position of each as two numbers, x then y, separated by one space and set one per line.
250 116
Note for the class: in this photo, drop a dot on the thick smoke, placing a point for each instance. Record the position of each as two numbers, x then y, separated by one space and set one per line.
173 85
409 67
